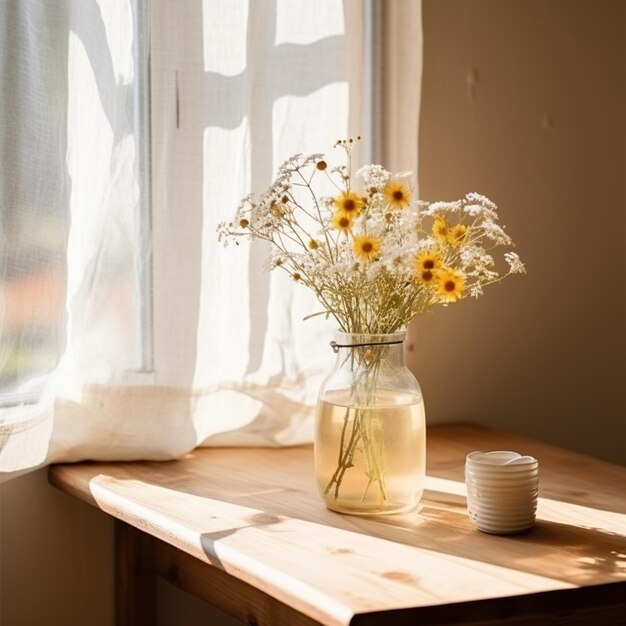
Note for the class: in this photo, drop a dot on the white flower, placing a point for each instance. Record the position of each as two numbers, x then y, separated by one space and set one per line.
398 259
474 205
341 170
475 210
427 242
476 198
376 201
476 256
517 267
476 290
495 233
435 208
374 176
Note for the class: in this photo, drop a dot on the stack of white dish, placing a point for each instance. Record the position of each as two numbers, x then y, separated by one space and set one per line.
502 489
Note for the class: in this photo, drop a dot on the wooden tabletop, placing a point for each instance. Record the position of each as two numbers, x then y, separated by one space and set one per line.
255 515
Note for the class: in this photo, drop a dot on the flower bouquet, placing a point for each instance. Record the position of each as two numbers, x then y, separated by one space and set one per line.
375 258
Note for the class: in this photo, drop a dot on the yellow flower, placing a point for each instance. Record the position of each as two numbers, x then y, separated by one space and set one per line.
441 229
397 194
427 262
349 204
450 284
457 235
314 244
366 247
341 222
428 259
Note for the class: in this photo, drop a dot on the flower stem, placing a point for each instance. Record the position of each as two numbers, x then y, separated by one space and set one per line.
362 422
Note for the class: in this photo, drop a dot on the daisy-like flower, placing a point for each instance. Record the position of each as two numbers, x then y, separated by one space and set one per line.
457 235
428 259
366 247
441 228
424 276
397 194
349 204
450 284
426 264
341 222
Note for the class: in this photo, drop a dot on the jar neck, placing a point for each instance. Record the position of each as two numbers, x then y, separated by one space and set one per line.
368 347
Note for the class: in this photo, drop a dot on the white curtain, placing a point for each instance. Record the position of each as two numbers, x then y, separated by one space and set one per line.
128 332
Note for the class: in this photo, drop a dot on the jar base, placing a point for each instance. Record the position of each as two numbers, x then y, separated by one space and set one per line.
346 508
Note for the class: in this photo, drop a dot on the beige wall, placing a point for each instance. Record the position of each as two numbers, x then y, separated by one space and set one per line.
56 557
56 564
525 102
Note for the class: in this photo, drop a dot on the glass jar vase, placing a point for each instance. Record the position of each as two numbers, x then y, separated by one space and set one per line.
370 431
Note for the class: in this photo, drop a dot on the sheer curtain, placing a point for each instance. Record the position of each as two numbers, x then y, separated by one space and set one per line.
127 331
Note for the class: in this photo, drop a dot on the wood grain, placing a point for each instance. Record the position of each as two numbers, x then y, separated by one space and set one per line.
254 514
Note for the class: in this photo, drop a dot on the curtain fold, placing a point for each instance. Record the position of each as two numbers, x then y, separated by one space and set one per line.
236 88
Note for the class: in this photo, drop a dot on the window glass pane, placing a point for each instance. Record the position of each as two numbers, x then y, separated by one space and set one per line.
74 189
33 183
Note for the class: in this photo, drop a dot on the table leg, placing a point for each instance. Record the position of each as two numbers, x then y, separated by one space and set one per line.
135 580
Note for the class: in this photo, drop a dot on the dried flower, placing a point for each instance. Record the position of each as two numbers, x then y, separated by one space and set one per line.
374 256
457 235
349 204
366 247
397 194
441 228
427 262
341 222
450 284
517 267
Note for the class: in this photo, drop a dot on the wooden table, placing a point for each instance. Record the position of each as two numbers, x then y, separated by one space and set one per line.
245 530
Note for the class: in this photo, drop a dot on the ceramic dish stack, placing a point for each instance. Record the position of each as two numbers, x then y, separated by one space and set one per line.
502 489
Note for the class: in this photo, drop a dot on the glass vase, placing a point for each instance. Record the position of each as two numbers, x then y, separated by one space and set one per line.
370 432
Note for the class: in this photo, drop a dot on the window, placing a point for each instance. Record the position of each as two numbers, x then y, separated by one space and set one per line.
33 214
37 181
163 117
